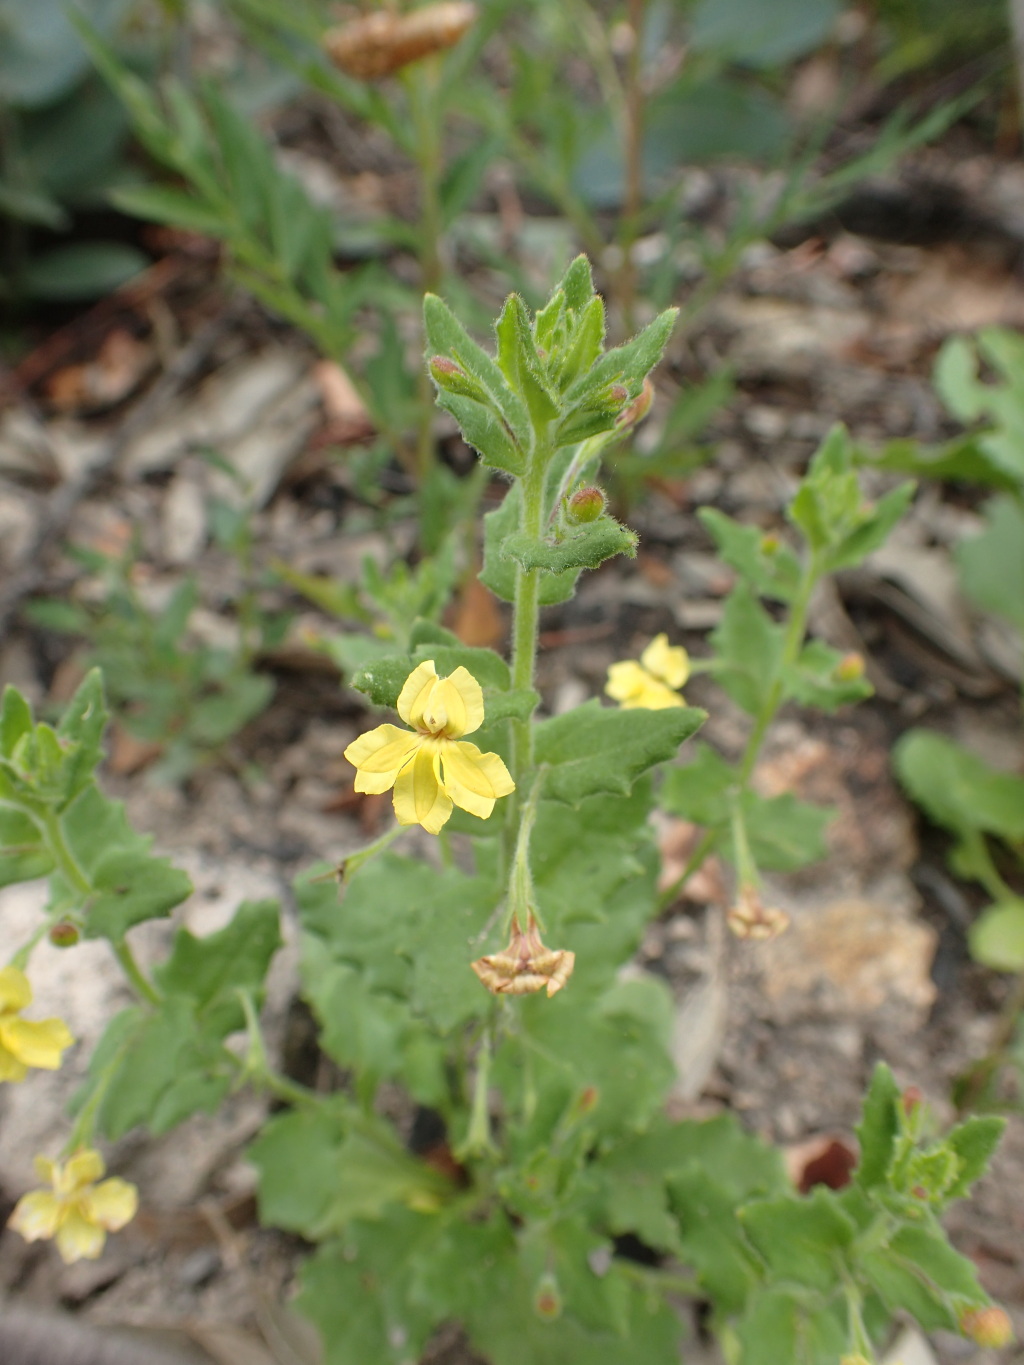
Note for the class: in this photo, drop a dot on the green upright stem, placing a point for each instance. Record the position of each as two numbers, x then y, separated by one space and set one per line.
134 972
68 866
791 647
526 613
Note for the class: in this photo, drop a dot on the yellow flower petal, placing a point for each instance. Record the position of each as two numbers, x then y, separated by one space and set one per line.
11 1069
626 680
419 798
15 990
77 1238
80 1170
36 1215
632 686
379 756
668 663
37 1043
456 705
45 1169
112 1203
473 779
416 693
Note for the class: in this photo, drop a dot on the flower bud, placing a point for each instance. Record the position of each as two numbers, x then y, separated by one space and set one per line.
850 668
447 374
547 1298
987 1326
64 934
639 408
770 544
911 1100
585 505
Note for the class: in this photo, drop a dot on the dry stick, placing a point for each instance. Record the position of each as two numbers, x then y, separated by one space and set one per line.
30 571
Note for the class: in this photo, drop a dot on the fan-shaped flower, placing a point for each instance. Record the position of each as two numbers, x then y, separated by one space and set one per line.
26 1042
75 1211
651 683
430 766
526 965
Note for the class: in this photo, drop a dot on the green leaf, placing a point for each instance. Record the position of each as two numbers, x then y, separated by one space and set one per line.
131 886
519 362
781 1325
878 1128
82 725
629 364
485 432
296 1158
798 1238
872 531
770 568
815 679
162 1069
749 645
997 938
594 749
83 270
15 720
499 571
160 204
211 970
585 548
743 33
783 832
958 790
973 1142
22 855
992 563
446 336
920 1273
127 884
358 1292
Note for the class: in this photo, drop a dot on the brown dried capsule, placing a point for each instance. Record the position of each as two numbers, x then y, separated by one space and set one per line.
377 45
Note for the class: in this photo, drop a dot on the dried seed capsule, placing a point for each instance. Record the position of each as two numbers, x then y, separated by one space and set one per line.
380 44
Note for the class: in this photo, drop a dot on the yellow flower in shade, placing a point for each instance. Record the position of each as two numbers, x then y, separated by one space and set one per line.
526 965
430 766
76 1211
24 1043
652 682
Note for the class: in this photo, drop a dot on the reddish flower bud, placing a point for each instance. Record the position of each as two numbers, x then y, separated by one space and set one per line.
639 408
911 1099
444 365
987 1326
850 668
547 1298
585 505
64 934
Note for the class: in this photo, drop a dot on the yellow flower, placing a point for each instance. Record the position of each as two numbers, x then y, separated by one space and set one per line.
24 1043
651 683
526 965
76 1211
431 767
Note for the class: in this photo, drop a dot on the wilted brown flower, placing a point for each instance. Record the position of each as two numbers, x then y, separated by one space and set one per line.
526 965
378 44
751 918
